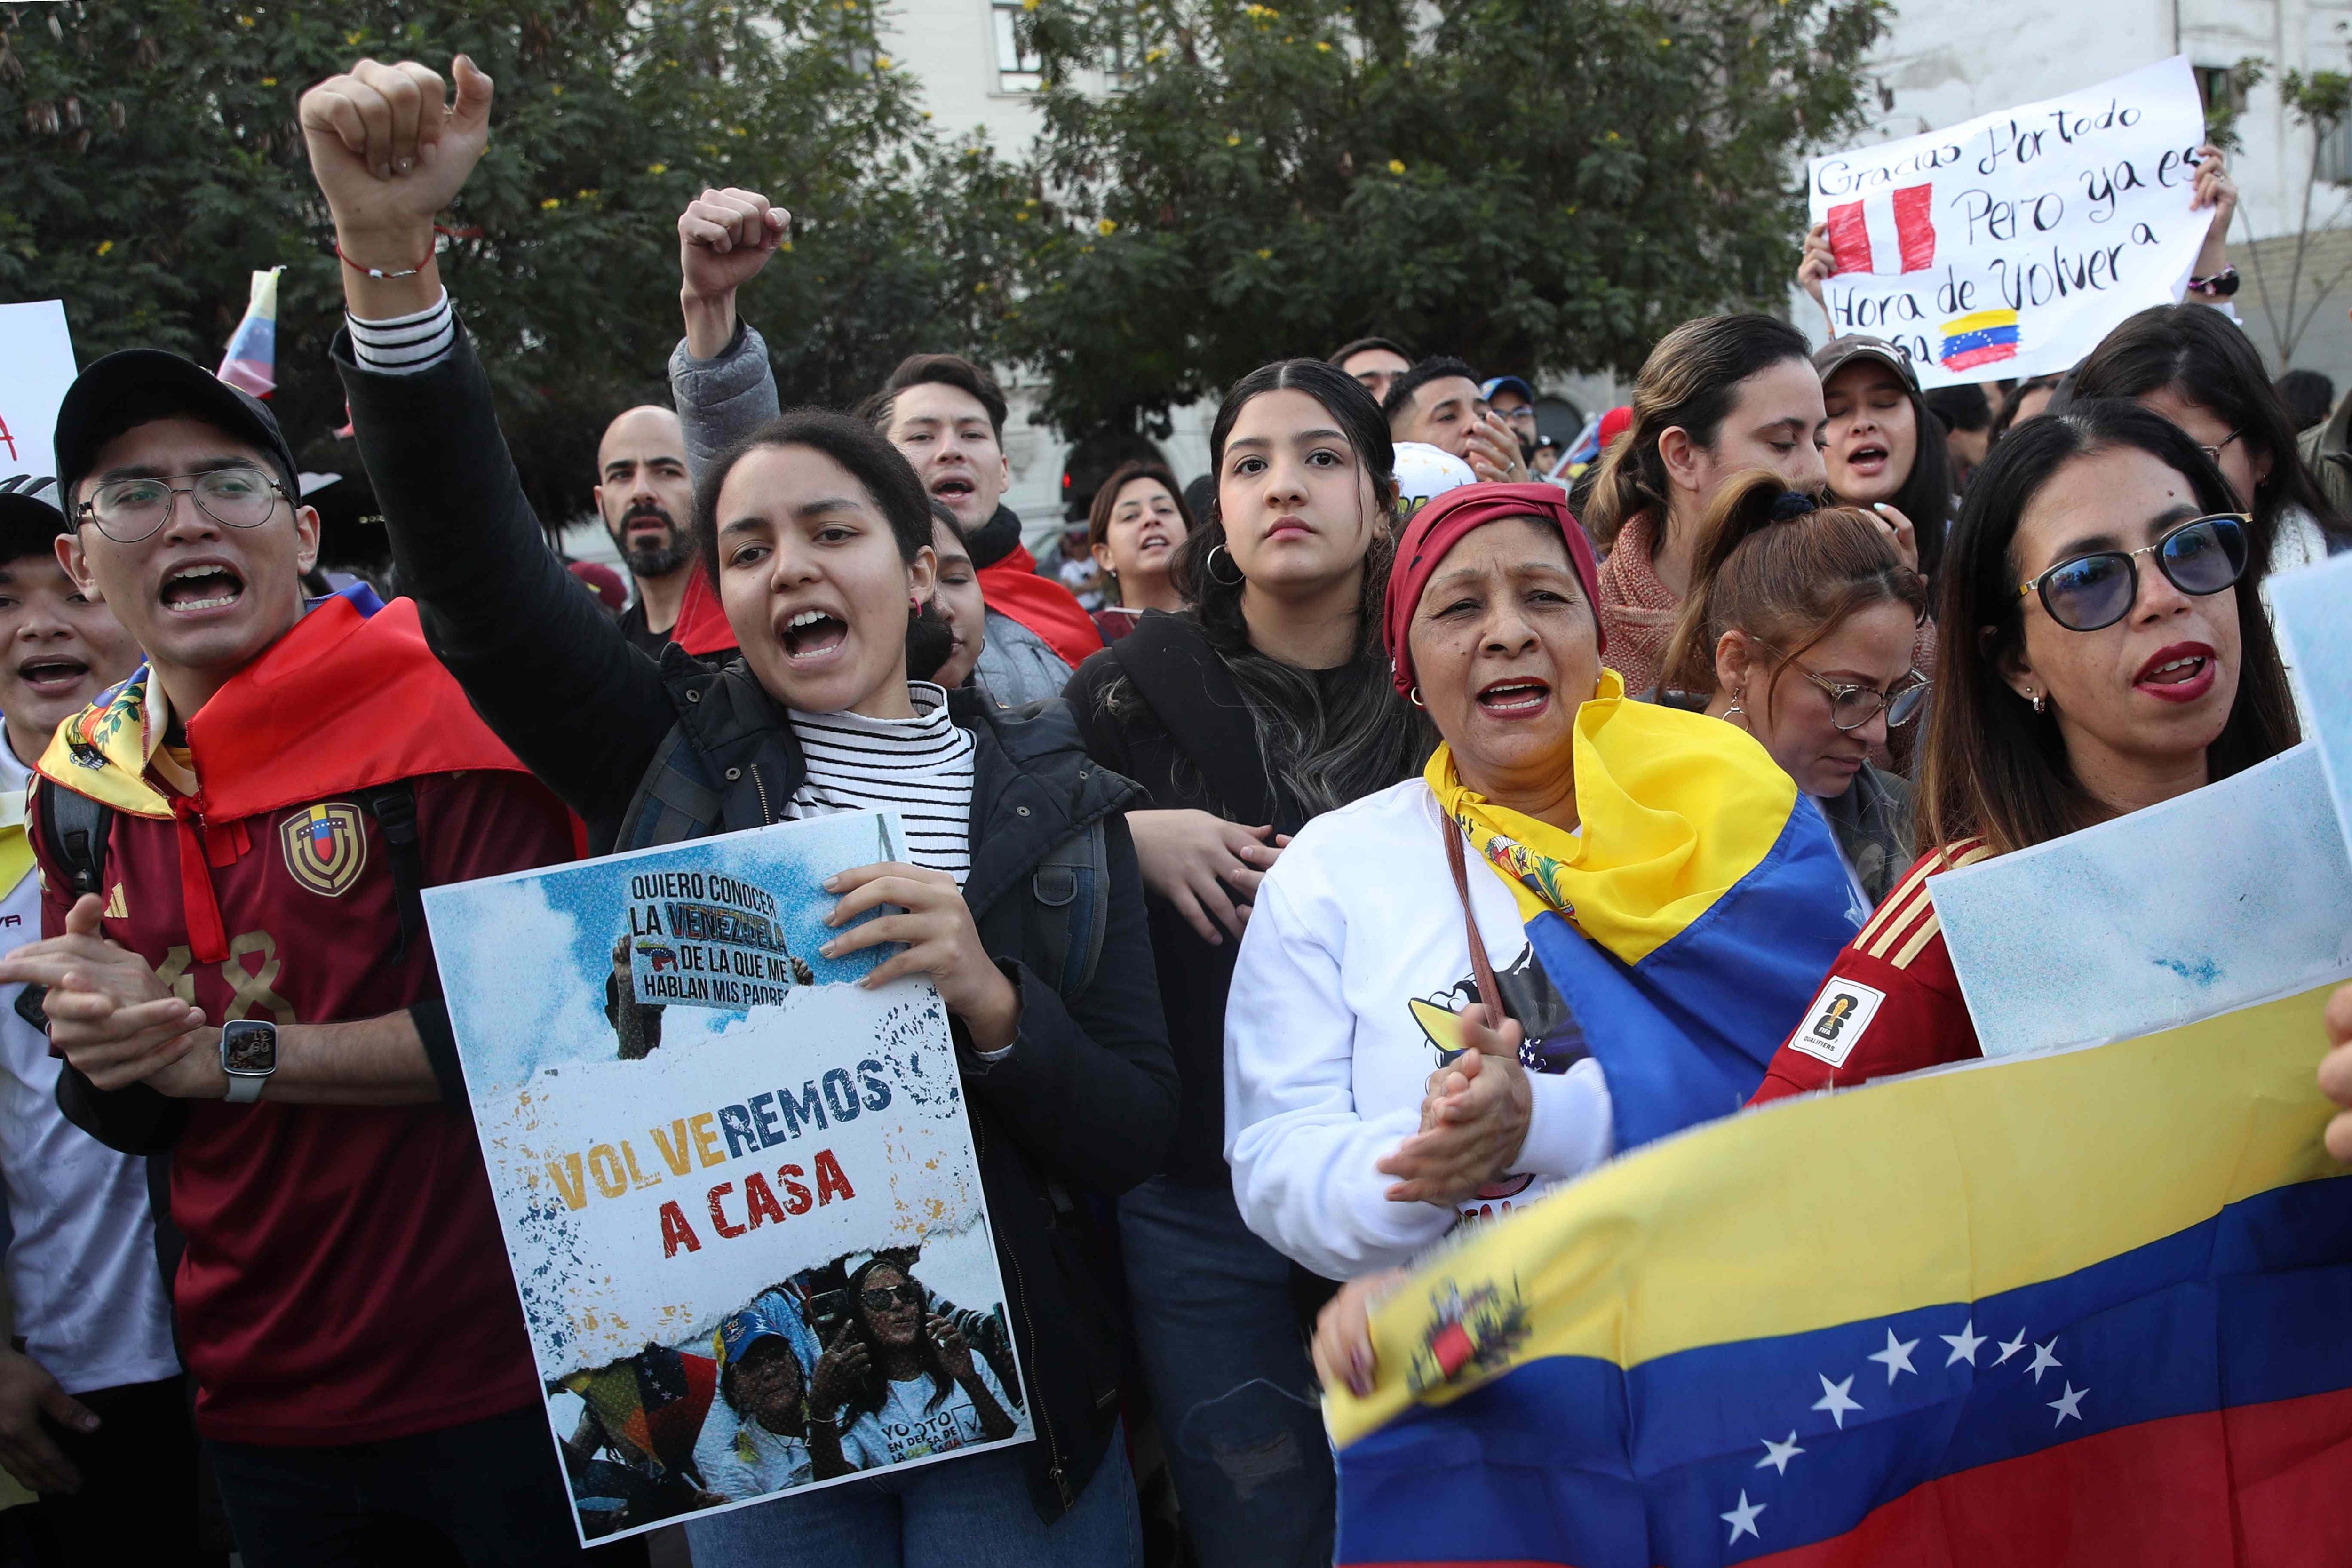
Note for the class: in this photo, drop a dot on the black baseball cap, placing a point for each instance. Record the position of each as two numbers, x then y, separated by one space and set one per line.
29 525
1839 352
131 387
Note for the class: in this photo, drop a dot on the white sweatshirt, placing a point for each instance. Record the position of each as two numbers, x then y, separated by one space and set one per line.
1325 1060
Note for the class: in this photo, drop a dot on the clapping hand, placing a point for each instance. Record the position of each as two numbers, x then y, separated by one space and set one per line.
1473 1119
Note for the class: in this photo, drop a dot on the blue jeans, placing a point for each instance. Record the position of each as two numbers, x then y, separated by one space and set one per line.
1229 1379
967 1512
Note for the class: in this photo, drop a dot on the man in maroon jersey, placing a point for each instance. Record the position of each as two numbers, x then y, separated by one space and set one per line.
238 971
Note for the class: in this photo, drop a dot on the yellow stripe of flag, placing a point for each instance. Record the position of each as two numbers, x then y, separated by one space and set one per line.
1948 1186
1977 320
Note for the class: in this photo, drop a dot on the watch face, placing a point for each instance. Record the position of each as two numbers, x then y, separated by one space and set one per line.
248 1047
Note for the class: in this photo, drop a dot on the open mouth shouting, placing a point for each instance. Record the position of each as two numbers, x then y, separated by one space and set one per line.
813 636
1870 457
2180 673
955 488
1514 698
52 673
201 587
1154 542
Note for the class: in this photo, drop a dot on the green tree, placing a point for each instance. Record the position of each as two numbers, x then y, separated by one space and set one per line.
2320 102
1535 184
148 161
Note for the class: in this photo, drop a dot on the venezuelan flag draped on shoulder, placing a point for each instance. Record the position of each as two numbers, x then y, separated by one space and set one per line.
1669 946
1688 920
2090 1307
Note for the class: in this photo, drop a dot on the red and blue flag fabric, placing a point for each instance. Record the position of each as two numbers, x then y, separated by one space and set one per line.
2090 1307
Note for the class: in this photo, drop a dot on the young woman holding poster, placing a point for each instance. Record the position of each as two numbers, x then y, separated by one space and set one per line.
818 537
1717 396
1266 706
2124 658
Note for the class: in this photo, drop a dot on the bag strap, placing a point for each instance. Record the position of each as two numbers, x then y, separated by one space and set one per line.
77 828
1481 966
393 806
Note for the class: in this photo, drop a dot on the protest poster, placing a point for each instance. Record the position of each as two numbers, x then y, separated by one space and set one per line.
37 353
722 1166
2216 899
2009 245
2314 612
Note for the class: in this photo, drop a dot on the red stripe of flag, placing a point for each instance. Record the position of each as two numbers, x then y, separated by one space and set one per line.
1915 227
1849 238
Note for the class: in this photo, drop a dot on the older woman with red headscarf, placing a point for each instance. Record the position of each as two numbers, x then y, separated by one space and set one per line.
1589 923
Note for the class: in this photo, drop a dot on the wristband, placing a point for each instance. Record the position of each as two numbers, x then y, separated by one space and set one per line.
391 276
2221 285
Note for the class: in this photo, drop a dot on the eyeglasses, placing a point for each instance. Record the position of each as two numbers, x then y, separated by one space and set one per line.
2203 555
129 510
1853 704
2215 452
878 1297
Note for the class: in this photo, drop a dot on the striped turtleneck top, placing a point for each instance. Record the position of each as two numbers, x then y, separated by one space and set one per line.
920 768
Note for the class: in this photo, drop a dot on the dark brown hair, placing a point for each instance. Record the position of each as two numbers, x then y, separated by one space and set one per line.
1992 767
1690 380
1787 578
1126 474
881 467
942 370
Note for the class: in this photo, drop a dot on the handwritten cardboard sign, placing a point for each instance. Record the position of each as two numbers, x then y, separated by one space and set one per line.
37 365
2010 244
695 1162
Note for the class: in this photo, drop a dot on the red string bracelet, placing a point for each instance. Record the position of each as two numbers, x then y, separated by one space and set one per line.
389 277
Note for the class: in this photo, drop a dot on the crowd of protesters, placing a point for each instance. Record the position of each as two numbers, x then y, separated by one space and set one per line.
1380 730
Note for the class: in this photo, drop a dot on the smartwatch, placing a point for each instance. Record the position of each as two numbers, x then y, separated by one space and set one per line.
249 1055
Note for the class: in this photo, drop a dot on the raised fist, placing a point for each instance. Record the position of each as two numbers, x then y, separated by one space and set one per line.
389 153
724 238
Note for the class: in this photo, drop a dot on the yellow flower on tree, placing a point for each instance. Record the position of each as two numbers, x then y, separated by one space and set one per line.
1232 141
656 168
551 203
1396 165
269 81
104 245
1266 256
1106 227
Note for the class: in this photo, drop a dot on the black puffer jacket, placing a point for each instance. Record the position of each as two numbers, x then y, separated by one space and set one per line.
1085 1100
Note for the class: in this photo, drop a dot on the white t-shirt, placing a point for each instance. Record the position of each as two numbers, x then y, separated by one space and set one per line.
908 1428
739 1458
89 1296
1356 938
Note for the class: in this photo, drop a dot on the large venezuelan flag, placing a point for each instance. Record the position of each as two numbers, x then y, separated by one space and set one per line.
1685 926
2089 1308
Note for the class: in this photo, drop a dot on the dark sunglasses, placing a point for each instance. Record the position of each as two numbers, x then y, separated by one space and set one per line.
878 1297
2203 555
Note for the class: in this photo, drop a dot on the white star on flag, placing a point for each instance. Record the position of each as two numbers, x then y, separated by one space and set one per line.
1777 1455
1742 1519
2068 1404
1964 1343
1836 1398
1896 1357
2042 1359
2011 1347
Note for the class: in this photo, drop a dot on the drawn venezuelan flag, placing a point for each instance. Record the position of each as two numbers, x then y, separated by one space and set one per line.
1980 337
2093 1307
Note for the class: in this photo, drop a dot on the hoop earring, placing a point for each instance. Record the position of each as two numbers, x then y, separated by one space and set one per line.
1736 712
1209 567
1413 697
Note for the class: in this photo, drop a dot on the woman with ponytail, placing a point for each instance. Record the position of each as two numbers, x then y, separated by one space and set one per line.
1266 705
1799 628
1717 396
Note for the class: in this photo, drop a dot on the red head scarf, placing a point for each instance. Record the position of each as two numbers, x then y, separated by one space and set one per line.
1438 527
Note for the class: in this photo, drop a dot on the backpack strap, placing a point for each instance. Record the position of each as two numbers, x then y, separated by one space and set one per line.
1069 910
76 829
676 800
393 806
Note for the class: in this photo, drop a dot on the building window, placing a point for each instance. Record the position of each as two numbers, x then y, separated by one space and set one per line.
2217 90
1017 69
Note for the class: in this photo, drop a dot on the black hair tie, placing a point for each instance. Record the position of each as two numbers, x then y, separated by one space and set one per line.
1793 504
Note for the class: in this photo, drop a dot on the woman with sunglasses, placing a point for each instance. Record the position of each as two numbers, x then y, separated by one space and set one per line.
2107 650
1799 629
899 1382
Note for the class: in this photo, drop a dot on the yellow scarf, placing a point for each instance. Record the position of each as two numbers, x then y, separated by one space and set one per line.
1675 809
15 849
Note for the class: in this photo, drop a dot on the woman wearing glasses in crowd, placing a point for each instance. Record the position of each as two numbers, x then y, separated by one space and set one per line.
1799 629
2195 366
899 1382
2109 652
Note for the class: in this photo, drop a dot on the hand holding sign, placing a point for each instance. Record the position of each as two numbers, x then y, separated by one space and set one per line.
2010 244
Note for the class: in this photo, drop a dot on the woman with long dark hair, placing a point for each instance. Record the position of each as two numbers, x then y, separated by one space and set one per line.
1883 446
2107 650
1717 396
900 1382
2195 366
1136 527
1267 704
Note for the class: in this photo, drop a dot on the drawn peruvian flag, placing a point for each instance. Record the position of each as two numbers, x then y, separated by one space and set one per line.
1891 232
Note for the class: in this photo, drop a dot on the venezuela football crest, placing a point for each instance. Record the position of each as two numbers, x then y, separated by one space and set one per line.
325 848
